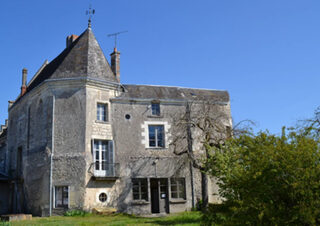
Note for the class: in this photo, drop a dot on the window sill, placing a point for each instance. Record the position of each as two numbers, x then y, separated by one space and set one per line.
177 201
140 202
102 122
155 116
157 148
61 208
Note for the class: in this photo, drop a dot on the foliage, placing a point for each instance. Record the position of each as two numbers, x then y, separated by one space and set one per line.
267 180
185 218
73 213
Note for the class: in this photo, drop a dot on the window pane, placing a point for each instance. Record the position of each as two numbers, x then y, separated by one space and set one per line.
103 165
140 188
97 165
136 196
155 108
174 195
61 196
103 155
156 136
102 112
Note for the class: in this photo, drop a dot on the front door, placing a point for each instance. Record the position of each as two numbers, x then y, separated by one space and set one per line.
159 195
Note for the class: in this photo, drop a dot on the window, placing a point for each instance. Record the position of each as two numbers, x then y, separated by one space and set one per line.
103 197
140 189
178 189
102 112
61 196
156 136
103 158
155 107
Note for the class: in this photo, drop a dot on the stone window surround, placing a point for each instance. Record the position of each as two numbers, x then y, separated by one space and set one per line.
145 133
97 196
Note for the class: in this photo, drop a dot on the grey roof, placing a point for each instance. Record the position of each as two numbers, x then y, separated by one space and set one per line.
172 93
83 58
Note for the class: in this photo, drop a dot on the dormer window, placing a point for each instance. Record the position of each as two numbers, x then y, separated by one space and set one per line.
102 112
155 108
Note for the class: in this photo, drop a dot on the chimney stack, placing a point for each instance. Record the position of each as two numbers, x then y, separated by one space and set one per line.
115 63
71 39
24 81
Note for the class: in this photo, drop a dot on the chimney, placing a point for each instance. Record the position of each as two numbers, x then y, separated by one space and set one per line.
24 81
115 63
71 39
10 103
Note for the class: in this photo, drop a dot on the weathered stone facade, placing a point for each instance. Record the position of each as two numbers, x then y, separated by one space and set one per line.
79 139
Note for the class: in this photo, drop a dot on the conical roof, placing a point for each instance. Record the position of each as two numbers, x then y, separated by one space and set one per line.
83 58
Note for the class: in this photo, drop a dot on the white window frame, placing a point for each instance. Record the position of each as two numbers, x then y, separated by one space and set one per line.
99 113
100 172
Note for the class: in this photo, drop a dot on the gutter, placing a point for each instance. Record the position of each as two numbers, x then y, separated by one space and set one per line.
52 152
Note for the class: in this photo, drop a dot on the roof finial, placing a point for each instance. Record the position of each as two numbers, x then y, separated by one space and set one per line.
115 37
90 12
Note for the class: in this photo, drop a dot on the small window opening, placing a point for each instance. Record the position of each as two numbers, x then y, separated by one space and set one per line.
103 197
102 112
155 107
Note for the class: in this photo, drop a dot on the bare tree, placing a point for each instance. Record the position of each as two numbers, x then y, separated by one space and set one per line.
310 126
202 125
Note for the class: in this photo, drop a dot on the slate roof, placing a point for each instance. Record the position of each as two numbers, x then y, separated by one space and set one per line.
172 93
83 58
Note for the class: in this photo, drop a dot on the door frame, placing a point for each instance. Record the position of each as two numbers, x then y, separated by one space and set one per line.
155 187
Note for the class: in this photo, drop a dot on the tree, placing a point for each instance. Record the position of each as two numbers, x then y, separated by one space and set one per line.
266 179
199 127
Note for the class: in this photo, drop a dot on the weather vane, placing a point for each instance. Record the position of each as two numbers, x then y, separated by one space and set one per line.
90 12
115 37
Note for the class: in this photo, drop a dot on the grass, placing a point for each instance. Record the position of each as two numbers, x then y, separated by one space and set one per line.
185 218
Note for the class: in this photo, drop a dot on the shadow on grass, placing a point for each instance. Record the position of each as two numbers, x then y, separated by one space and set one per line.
174 221
177 220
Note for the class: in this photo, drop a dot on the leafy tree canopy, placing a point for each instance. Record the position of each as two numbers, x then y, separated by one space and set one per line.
266 179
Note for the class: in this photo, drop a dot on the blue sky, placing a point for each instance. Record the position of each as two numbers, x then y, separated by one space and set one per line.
265 53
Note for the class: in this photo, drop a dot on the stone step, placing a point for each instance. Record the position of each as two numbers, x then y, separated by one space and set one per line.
16 217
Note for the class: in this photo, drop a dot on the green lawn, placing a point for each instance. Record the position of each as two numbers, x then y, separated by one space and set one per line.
186 218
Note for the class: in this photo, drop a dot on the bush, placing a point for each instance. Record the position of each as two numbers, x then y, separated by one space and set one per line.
267 180
72 213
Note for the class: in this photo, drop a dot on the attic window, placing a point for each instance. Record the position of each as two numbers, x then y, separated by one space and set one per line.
155 107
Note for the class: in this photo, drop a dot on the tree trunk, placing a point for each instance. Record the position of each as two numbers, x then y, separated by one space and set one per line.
204 190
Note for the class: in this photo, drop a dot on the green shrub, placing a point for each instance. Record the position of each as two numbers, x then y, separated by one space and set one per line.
72 213
266 180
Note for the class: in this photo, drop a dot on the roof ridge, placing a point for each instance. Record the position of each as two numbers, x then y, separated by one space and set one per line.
179 87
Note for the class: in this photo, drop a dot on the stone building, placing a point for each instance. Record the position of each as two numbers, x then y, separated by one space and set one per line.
77 138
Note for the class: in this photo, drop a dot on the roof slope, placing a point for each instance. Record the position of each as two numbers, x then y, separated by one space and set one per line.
83 58
172 93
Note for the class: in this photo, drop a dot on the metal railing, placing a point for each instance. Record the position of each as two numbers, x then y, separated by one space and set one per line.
105 169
